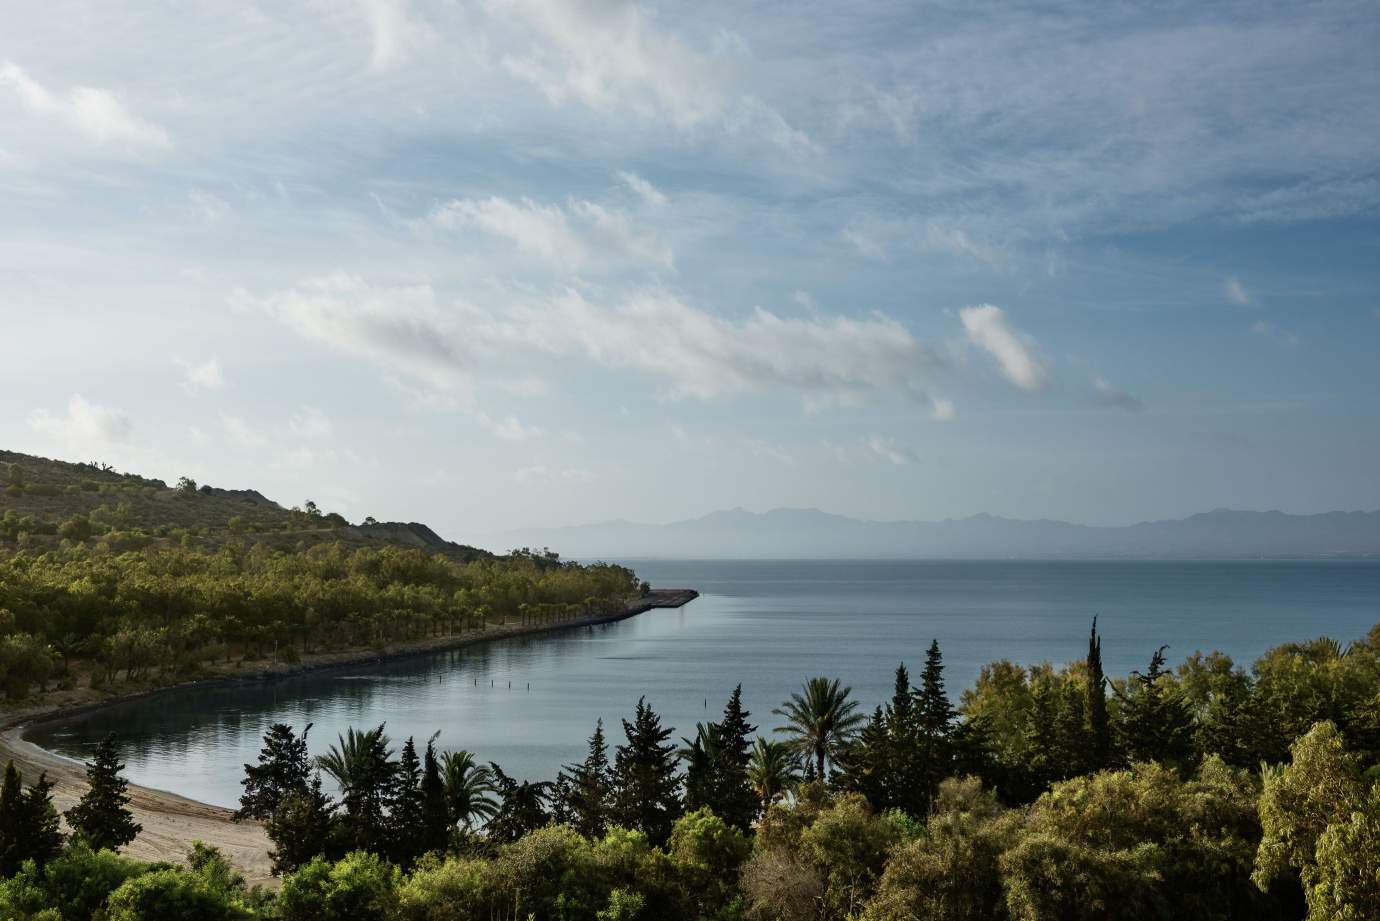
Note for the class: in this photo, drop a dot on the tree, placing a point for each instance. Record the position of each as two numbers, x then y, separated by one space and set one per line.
405 808
436 818
587 788
701 758
469 787
363 767
12 831
771 770
522 807
1346 883
361 887
645 782
300 827
1099 752
819 720
734 800
1156 723
284 767
934 723
101 818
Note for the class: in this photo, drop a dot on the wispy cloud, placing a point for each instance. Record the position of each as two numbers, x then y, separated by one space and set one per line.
542 474
310 422
1110 396
1015 353
1237 293
1267 330
888 450
395 28
240 432
83 424
98 114
649 193
208 375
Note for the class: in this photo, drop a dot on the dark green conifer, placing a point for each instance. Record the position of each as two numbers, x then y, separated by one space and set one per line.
101 819
586 788
300 828
1099 747
734 800
1156 722
436 818
11 822
934 720
646 785
405 807
284 767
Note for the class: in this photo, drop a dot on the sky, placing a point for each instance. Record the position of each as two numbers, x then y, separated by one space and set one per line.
516 263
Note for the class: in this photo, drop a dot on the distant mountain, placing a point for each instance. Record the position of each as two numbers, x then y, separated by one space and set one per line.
787 533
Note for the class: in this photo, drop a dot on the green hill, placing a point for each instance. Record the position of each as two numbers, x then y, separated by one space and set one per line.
43 502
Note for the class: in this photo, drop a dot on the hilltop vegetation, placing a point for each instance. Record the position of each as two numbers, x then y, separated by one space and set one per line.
120 579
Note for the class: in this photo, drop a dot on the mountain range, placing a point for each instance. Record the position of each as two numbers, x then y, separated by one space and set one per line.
796 533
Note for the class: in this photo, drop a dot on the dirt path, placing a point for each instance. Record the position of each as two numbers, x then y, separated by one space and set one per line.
172 822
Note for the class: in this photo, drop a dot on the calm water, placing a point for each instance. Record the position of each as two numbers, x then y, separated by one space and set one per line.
767 625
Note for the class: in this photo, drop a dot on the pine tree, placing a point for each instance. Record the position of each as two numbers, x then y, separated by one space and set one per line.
1041 739
43 833
586 788
864 764
101 819
436 818
934 720
734 800
523 808
405 807
11 822
300 828
1099 749
646 785
701 758
1156 723
1071 732
284 767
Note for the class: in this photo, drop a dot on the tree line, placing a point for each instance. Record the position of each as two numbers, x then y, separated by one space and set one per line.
163 613
1045 794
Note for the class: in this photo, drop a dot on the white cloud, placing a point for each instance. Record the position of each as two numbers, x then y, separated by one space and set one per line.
310 422
942 410
209 375
1237 293
97 114
764 448
539 474
395 29
510 428
612 58
1111 396
1268 330
1014 352
84 424
399 327
240 433
208 207
888 450
572 237
645 190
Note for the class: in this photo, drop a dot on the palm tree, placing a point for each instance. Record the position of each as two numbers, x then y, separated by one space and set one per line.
358 761
469 786
820 720
771 769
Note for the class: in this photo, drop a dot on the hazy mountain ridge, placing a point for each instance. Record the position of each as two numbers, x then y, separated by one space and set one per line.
794 533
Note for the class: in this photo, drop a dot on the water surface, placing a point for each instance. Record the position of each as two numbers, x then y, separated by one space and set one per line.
530 703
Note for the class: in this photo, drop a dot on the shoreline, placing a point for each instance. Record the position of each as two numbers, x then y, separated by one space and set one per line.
171 822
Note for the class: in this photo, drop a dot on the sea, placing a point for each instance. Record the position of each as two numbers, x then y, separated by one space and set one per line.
529 704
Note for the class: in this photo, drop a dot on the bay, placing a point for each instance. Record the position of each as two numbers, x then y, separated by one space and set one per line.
530 703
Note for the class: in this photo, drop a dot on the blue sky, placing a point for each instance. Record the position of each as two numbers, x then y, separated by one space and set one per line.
527 262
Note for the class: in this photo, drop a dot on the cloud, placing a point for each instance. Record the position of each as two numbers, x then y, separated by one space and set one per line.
395 29
826 360
540 474
1110 396
241 433
645 190
208 207
97 114
1268 330
510 428
611 58
763 448
84 424
1237 293
209 375
397 327
568 237
942 410
310 422
888 450
1014 352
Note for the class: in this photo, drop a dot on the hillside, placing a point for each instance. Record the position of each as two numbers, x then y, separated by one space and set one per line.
810 533
42 501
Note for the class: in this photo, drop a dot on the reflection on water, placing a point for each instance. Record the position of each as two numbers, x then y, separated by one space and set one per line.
530 703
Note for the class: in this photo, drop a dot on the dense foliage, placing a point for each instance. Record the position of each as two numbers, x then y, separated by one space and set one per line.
1204 792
